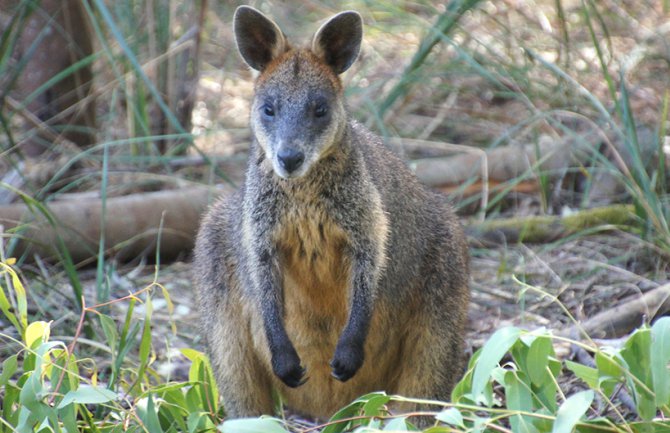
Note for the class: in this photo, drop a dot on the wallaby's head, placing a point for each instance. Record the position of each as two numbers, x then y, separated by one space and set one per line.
298 112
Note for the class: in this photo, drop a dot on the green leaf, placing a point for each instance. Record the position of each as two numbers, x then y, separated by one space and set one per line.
6 307
649 427
538 359
10 404
194 421
463 388
571 411
68 415
199 422
636 353
194 370
369 424
451 416
546 392
519 398
587 374
32 390
610 371
201 374
349 410
660 357
397 424
252 425
491 354
109 328
172 413
9 366
88 394
193 399
64 364
374 405
126 343
192 354
37 332
149 416
21 302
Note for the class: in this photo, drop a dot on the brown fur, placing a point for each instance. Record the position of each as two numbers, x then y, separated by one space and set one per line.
343 264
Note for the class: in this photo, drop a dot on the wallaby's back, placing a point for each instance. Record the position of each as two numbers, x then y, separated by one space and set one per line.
331 263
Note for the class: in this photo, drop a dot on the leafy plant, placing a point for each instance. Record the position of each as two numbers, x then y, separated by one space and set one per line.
46 387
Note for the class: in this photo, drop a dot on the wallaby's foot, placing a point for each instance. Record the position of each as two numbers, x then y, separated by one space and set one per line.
286 366
347 360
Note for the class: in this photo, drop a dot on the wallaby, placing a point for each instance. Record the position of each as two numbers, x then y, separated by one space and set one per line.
332 272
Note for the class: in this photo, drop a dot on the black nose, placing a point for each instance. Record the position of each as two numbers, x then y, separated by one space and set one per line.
290 159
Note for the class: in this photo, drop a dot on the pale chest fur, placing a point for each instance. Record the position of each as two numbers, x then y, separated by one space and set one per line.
315 275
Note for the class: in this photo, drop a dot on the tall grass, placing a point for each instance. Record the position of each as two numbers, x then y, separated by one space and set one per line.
548 98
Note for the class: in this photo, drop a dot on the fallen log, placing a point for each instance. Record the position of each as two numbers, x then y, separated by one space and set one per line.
502 163
624 318
547 228
132 224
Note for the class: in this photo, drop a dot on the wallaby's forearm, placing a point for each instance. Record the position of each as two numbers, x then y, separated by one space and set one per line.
267 279
349 352
285 360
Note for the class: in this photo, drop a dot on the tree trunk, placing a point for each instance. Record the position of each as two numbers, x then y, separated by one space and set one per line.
51 38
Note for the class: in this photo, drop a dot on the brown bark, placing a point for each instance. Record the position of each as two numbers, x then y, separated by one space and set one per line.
53 37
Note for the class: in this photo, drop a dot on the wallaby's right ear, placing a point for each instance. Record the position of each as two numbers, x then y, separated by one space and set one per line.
258 38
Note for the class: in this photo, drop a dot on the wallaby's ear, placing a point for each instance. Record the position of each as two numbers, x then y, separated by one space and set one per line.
258 38
338 41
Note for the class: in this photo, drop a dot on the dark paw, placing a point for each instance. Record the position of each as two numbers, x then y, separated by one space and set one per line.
287 368
346 362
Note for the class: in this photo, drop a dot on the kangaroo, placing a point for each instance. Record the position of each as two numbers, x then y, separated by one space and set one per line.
331 272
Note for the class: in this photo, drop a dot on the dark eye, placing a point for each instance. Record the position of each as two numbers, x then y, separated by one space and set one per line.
320 110
268 110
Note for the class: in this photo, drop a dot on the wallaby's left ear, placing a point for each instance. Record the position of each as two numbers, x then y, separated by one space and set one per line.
258 38
338 41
